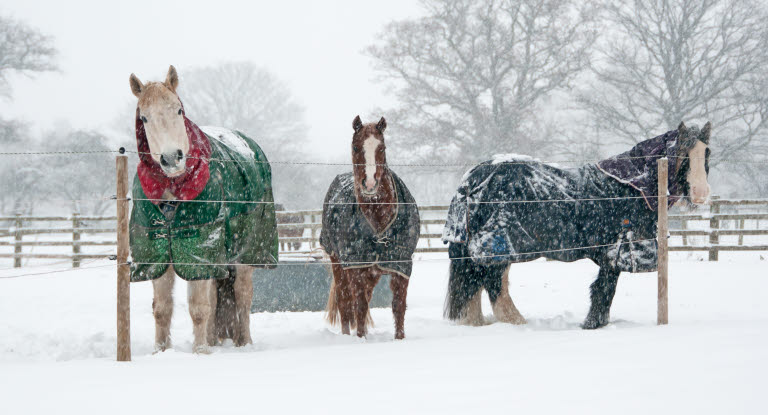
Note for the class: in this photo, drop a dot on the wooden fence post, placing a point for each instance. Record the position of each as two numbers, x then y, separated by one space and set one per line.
313 233
714 225
684 226
123 269
75 240
17 241
662 300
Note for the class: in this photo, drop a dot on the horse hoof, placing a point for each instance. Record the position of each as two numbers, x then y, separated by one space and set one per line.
592 323
201 349
161 347
243 342
399 336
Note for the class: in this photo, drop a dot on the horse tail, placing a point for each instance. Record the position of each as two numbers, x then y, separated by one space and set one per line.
226 309
332 307
332 311
466 279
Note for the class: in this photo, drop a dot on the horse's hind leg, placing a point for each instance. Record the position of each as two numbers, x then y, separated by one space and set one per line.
399 286
243 299
201 309
503 308
162 309
601 294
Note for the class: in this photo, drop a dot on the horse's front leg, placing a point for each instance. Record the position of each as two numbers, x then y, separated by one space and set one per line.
162 309
358 285
200 295
399 286
601 294
243 299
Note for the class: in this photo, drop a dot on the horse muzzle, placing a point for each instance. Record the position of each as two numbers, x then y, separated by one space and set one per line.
700 195
173 163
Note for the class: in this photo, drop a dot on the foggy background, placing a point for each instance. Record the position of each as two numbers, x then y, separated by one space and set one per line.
458 81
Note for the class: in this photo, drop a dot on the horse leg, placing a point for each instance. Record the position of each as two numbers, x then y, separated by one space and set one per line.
201 310
243 299
473 312
465 283
162 308
601 294
399 286
212 338
358 283
503 308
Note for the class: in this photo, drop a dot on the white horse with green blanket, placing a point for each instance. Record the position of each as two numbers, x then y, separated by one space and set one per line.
203 210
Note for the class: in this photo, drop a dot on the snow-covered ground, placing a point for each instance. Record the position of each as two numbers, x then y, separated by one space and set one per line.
57 345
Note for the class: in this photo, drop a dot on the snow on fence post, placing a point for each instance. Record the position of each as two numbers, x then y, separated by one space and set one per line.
17 241
123 269
662 301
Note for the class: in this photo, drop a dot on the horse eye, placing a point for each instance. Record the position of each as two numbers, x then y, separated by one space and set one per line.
354 148
180 111
143 118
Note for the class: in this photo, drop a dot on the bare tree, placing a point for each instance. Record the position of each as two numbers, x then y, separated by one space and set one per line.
471 75
246 97
663 61
23 50
84 179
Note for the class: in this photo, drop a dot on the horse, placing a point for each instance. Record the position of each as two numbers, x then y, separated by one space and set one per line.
515 209
370 227
182 222
289 232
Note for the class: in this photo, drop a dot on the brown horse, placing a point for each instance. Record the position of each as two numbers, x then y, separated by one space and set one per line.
370 228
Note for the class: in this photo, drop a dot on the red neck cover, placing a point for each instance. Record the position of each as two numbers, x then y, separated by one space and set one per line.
189 185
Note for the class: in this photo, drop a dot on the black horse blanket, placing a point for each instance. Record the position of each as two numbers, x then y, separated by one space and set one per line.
347 233
516 209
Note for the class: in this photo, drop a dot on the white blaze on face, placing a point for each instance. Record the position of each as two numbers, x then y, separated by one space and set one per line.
370 145
697 173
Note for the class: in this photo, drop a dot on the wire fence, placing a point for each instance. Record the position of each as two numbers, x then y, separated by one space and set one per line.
520 160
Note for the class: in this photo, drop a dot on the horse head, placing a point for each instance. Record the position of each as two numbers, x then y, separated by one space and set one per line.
162 117
693 162
368 155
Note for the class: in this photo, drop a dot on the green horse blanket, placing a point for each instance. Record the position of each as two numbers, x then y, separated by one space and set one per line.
220 226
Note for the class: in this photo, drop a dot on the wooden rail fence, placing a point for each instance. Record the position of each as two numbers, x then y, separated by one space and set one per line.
720 213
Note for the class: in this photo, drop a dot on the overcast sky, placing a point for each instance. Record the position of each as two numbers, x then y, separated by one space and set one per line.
314 46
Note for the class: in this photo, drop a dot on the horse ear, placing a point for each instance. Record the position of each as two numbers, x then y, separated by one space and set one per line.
357 124
706 132
681 128
382 125
136 86
172 79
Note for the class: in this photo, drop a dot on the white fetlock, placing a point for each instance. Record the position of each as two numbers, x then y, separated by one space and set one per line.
201 349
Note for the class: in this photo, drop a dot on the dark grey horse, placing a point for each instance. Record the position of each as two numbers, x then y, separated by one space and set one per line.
514 209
